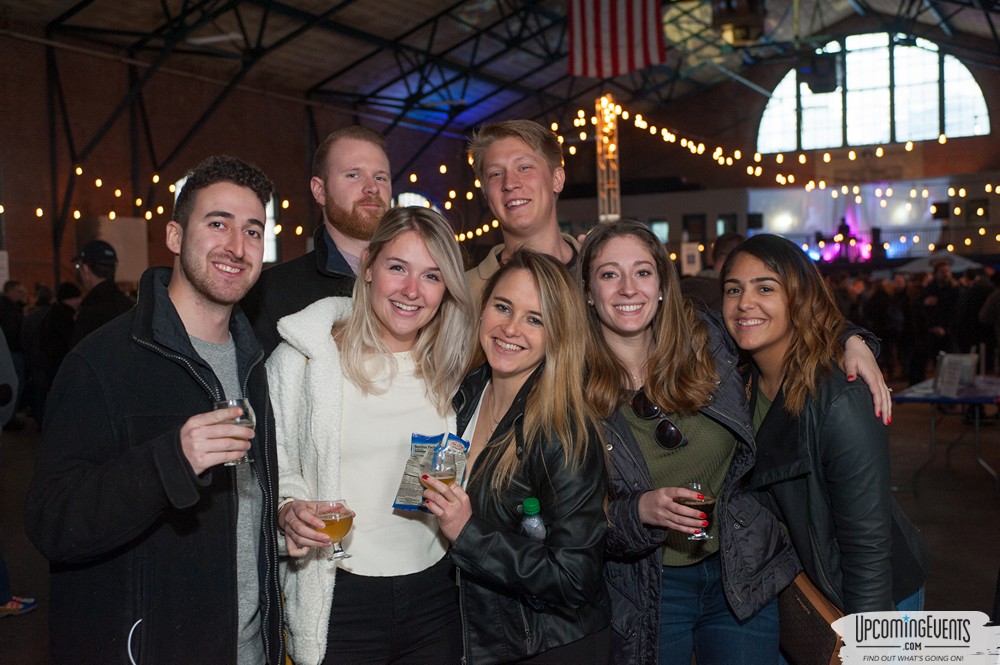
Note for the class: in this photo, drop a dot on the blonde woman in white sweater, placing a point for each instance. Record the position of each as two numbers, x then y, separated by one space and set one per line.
349 386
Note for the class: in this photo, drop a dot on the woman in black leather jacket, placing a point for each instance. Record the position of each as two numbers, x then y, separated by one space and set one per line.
671 596
532 435
824 464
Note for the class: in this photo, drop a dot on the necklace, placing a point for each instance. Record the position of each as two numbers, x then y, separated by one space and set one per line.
491 411
637 382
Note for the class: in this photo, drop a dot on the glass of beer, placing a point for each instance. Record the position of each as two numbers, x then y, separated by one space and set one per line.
706 505
338 519
247 419
440 465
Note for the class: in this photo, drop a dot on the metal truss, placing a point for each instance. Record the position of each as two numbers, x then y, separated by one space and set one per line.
462 64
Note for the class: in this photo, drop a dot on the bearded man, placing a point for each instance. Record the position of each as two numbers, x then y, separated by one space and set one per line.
352 183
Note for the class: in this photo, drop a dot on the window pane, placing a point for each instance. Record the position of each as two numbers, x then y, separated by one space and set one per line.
778 129
916 71
867 81
871 40
867 117
965 111
822 119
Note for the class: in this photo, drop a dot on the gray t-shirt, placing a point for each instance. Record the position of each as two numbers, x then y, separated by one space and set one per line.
250 500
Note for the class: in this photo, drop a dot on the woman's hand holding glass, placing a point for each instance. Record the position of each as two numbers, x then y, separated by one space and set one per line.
661 507
300 522
450 504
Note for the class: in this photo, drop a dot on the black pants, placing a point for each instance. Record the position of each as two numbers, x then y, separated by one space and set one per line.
407 619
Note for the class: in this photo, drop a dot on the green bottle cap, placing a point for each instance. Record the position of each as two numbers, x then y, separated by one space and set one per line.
531 506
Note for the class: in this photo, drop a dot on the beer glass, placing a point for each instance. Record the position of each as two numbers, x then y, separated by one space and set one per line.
247 419
440 465
338 519
706 505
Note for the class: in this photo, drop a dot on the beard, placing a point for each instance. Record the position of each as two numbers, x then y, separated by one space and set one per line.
196 271
358 223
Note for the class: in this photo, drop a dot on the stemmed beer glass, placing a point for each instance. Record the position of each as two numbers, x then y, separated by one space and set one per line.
247 419
338 519
440 465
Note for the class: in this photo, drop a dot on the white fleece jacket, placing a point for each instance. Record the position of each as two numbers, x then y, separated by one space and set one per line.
305 365
308 395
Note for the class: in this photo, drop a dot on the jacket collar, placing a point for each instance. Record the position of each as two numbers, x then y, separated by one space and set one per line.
308 331
157 322
472 388
329 260
781 452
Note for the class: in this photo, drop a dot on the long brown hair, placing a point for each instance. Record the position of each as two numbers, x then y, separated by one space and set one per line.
816 321
680 369
555 407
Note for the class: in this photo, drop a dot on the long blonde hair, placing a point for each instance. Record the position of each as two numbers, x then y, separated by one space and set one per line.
816 321
555 407
680 369
441 349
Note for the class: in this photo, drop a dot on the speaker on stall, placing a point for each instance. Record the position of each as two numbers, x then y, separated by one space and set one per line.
755 221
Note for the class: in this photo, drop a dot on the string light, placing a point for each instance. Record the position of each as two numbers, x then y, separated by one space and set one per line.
720 154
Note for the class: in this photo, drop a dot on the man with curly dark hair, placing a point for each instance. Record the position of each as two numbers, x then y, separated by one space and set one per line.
163 547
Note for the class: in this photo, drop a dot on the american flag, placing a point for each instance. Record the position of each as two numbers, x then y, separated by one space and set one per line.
609 38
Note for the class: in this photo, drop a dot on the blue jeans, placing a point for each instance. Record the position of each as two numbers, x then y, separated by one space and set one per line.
695 618
914 603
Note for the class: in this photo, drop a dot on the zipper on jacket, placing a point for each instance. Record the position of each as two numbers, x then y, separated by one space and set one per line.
185 361
527 630
268 525
461 614
270 531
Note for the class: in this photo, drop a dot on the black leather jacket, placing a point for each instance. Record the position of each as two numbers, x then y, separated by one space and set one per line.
828 473
757 559
520 597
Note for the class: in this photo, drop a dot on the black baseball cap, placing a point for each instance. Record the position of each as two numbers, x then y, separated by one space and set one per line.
97 253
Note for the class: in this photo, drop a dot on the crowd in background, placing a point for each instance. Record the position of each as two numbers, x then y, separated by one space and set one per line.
919 315
40 333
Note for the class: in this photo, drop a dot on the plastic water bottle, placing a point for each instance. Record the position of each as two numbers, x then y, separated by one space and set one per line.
532 524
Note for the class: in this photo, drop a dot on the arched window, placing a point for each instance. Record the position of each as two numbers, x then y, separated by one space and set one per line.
869 89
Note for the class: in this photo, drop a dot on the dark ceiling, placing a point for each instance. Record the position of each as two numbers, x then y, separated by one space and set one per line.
448 66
